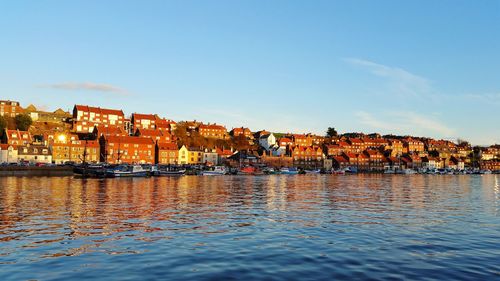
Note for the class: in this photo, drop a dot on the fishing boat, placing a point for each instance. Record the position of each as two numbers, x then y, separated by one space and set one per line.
90 171
249 170
217 171
169 172
289 171
127 171
317 171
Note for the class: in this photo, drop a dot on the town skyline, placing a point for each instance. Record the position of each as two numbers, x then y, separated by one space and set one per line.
300 67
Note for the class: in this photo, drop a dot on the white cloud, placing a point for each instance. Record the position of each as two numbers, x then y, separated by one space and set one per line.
87 86
401 81
406 123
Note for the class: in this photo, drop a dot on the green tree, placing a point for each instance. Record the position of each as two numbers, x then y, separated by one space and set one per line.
23 122
3 124
331 132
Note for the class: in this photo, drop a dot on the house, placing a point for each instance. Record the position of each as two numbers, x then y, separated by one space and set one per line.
75 150
143 121
167 153
302 140
396 147
285 142
413 145
101 130
8 153
223 154
244 158
357 145
118 149
162 136
375 158
10 108
431 162
212 131
34 154
310 156
166 124
456 163
86 117
333 149
190 155
340 162
267 141
16 137
492 165
235 132
210 157
277 161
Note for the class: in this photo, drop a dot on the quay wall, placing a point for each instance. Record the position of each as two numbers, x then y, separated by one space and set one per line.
35 171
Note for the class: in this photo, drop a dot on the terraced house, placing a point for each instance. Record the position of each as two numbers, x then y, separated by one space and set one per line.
212 131
10 108
86 117
131 150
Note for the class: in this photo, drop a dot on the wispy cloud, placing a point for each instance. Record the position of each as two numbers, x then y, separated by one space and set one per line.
87 86
406 123
401 81
492 98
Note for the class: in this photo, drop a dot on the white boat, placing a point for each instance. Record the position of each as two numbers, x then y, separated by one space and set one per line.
217 171
409 171
289 171
128 171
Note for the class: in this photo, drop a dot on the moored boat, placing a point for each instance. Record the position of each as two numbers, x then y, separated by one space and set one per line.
128 171
289 171
217 171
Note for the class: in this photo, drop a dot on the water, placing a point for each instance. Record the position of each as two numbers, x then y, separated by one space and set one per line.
312 227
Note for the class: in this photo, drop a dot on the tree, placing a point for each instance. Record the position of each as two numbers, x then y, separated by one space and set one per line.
331 132
3 124
23 122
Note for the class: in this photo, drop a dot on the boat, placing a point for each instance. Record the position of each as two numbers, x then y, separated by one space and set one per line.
90 171
289 171
249 170
317 171
217 171
409 172
338 172
128 171
166 172
270 171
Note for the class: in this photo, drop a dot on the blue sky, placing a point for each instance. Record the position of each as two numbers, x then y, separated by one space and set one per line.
428 68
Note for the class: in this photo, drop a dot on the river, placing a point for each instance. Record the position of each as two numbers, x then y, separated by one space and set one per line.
303 227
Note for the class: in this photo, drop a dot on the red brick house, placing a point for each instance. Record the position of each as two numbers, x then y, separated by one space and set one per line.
16 137
212 131
86 117
115 150
10 108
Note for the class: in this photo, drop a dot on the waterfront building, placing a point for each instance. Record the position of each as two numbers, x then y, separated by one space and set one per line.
75 150
118 149
34 154
167 153
210 157
8 153
10 108
223 154
86 117
492 165
375 158
190 155
310 156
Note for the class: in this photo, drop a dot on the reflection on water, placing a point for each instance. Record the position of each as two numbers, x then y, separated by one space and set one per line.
273 227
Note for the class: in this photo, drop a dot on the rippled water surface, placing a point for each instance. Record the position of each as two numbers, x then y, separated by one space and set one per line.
247 228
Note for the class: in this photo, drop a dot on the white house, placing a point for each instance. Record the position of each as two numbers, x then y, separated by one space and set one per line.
267 141
8 153
211 157
34 154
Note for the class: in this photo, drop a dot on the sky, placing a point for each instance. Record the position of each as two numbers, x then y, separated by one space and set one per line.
424 68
